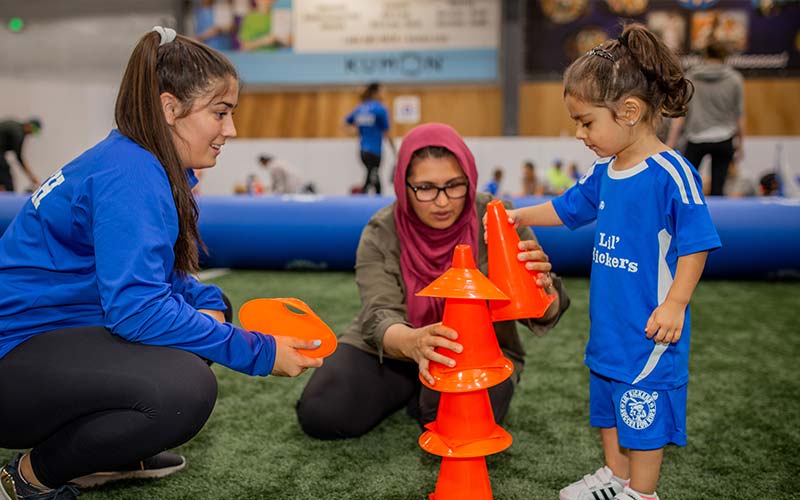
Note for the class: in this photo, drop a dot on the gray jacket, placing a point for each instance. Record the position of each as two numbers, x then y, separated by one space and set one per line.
717 104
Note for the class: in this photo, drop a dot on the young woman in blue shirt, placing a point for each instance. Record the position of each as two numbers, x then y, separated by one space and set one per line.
104 333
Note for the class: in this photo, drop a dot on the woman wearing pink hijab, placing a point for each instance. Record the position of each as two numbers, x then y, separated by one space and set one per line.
406 245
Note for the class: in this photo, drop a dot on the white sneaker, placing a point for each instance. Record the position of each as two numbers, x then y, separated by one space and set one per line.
629 494
598 486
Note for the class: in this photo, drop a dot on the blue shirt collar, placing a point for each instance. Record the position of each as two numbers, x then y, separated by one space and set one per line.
191 177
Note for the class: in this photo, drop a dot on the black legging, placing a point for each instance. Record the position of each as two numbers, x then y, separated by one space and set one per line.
352 393
6 181
372 163
721 158
87 401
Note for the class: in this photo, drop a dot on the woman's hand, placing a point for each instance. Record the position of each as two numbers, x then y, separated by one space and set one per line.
666 323
535 259
418 344
289 362
426 340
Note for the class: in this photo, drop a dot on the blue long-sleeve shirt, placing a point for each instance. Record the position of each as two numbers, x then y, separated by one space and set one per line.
372 120
94 246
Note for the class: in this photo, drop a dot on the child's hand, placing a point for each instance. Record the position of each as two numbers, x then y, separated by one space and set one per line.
513 216
666 323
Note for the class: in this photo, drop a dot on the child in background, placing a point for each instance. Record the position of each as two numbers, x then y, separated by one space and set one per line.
652 238
530 183
558 181
493 186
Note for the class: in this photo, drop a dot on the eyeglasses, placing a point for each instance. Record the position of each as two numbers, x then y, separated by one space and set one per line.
429 192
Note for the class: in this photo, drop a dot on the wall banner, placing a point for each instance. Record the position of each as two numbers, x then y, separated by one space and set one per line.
287 42
763 36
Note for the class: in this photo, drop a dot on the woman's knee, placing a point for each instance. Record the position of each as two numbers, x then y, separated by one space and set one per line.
323 420
327 409
188 397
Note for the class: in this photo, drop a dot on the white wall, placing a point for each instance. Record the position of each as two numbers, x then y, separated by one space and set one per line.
76 115
333 164
65 70
78 112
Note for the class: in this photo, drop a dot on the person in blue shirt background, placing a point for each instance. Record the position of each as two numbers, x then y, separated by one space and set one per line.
493 186
653 234
104 333
371 119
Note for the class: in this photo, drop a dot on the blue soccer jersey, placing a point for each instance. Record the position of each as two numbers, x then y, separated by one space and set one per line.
372 121
647 216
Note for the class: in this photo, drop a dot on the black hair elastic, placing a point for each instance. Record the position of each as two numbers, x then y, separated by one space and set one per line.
603 53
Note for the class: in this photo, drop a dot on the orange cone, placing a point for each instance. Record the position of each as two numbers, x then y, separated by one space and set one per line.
528 299
288 318
464 427
462 479
463 280
481 363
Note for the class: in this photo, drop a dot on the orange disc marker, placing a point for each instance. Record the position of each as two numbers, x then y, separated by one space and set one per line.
288 318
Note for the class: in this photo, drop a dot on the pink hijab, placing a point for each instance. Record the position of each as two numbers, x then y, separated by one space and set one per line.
426 253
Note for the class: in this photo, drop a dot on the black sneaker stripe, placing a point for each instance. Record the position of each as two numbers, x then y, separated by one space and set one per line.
596 496
605 496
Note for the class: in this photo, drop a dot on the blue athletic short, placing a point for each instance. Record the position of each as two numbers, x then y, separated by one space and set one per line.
646 419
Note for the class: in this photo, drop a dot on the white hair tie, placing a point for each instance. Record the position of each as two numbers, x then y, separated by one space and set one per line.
167 34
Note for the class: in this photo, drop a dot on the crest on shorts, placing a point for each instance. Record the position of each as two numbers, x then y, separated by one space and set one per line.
638 408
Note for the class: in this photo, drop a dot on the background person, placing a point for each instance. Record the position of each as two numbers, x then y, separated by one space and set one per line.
558 181
530 183
714 124
371 120
284 178
493 186
12 138
105 333
406 245
769 185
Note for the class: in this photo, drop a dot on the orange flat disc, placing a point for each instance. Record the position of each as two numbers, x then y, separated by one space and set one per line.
288 317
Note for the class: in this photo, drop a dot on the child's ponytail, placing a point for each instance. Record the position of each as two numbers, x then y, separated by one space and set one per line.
671 91
636 64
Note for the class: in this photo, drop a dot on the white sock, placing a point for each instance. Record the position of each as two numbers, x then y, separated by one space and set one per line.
623 482
649 496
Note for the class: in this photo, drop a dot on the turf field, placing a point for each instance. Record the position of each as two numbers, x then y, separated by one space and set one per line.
743 420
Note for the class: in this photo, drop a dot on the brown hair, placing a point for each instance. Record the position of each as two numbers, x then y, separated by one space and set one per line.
370 91
636 64
187 70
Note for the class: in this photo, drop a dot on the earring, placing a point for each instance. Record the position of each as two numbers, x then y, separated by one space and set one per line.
631 123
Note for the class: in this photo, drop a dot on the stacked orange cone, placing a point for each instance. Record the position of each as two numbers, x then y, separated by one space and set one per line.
465 431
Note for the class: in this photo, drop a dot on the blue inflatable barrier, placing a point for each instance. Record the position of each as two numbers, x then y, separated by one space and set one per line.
760 236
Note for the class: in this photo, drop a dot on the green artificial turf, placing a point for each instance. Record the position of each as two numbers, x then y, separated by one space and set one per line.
743 416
